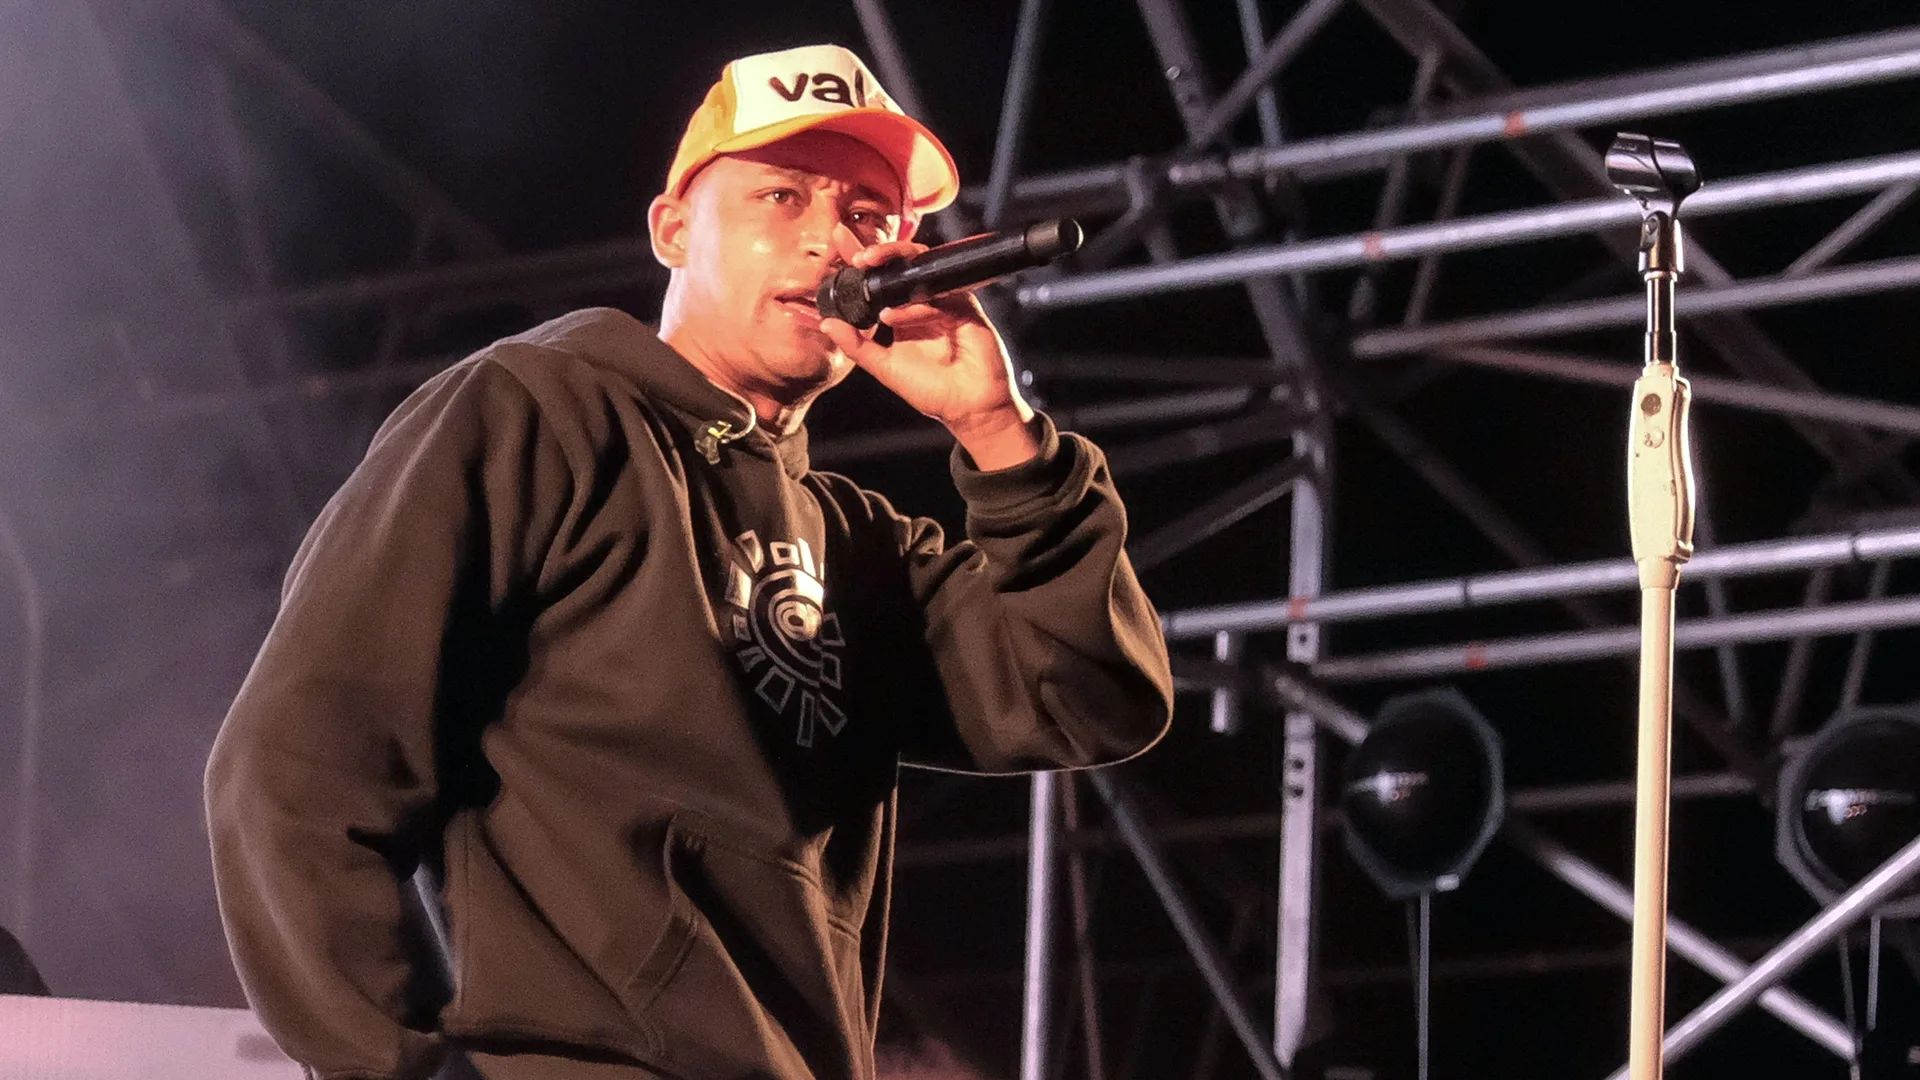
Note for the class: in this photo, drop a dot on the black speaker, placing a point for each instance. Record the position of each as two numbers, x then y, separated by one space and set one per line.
1849 800
1423 793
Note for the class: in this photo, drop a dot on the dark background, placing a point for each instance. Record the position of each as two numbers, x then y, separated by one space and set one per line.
157 468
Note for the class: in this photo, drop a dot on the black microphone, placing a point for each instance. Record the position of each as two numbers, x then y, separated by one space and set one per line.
858 295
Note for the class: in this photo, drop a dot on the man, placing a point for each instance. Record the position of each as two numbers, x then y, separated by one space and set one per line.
586 631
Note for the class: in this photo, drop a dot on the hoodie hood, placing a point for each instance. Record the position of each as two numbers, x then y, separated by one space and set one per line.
718 419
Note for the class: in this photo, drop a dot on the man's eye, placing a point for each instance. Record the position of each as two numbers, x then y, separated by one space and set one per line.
782 196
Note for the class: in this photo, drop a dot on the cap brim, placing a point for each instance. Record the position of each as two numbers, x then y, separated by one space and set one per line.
925 168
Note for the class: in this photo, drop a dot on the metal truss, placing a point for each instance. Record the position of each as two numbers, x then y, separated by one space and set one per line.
1515 586
1538 126
1497 117
1498 230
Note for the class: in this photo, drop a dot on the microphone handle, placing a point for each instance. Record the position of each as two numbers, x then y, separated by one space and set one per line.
966 262
859 295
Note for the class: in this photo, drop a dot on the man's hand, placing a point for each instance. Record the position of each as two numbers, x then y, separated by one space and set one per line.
946 360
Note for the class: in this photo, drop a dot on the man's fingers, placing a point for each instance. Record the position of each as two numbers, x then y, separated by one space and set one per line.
854 252
857 346
961 307
844 336
914 315
879 253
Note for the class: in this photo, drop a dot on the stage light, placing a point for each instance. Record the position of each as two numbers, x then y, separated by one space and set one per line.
1849 799
1423 793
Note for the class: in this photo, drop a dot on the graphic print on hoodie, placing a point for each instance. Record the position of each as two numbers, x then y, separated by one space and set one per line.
786 640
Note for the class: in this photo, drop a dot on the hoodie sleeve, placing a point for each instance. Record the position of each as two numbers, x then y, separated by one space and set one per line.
1046 651
323 782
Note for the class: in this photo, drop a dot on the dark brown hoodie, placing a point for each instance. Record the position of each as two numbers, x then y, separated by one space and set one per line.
582 631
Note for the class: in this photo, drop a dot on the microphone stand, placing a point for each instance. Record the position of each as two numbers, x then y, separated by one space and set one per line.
1658 174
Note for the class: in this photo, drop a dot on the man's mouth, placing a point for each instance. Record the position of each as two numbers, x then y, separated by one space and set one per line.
800 302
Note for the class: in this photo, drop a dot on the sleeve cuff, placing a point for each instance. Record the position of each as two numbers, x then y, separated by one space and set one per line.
1003 491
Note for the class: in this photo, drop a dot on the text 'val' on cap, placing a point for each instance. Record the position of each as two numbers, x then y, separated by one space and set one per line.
764 98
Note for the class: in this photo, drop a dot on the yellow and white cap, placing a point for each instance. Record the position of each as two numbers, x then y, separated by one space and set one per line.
765 98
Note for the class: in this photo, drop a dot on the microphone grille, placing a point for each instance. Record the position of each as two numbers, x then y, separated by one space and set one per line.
843 295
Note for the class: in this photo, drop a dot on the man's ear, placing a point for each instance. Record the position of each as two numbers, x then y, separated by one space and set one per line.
667 228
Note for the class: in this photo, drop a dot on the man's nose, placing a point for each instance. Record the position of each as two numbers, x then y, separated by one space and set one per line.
816 229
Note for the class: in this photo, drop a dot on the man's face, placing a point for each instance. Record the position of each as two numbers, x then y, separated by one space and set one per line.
751 241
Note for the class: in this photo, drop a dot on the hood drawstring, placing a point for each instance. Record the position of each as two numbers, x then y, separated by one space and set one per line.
716 435
719 433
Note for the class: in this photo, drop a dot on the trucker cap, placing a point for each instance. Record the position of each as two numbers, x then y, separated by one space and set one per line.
765 98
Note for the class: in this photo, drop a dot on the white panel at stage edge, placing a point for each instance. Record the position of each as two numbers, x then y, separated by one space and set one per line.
44 1038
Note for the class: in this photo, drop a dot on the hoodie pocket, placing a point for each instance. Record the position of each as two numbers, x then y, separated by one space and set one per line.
536 955
753 973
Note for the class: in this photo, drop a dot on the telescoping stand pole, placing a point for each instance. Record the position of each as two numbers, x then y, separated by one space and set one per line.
1658 174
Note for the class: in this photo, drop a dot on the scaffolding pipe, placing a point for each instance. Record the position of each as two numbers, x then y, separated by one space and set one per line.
1079 907
1253 37
1619 641
1795 78
1219 513
1542 583
1548 800
1239 213
1466 234
1261 71
1856 677
1770 970
1223 718
1570 798
877 27
1014 107
1853 230
1036 1003
1301 696
1716 390
1214 968
1191 370
1271 424
1886 275
1453 187
1730 81
1685 941
1206 122
1799 666
1733 685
